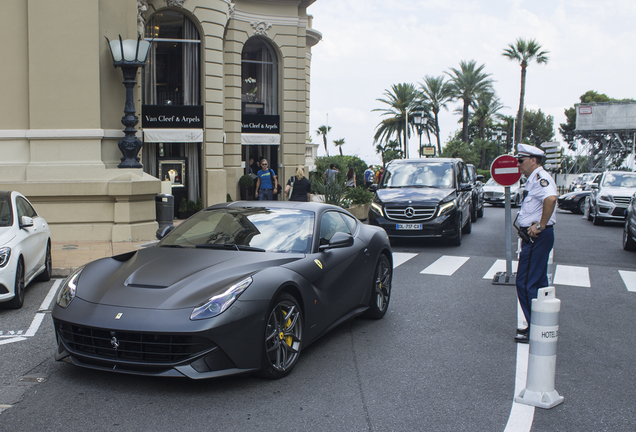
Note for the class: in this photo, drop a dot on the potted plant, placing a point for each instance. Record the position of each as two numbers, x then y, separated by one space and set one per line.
251 94
246 184
360 199
186 208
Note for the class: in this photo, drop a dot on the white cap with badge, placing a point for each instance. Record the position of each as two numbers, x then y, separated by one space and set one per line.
525 150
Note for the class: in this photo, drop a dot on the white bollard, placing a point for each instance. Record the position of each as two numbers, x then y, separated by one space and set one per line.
544 334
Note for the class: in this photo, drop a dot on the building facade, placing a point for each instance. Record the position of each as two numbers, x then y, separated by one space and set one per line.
224 81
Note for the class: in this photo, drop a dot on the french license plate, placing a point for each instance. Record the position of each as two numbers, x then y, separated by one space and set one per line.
409 226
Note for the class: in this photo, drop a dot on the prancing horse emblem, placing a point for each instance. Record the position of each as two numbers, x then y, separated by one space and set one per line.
409 212
113 341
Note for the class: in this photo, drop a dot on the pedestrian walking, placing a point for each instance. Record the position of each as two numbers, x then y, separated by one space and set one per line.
368 177
266 182
330 174
378 175
351 178
537 217
298 187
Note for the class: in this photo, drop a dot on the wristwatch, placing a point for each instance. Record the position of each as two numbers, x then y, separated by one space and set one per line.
539 228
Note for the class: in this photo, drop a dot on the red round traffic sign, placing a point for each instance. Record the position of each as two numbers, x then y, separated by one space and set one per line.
505 170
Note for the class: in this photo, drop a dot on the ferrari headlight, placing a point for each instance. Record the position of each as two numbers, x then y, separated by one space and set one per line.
67 291
220 302
5 254
377 208
446 208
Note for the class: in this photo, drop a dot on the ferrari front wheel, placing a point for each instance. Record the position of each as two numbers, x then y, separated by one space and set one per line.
283 338
381 290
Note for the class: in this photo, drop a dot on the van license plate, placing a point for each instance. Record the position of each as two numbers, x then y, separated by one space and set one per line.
409 226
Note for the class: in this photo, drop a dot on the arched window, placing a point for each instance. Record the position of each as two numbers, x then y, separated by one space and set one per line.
172 73
259 72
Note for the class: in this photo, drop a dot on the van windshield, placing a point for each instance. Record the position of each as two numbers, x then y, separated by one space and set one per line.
436 174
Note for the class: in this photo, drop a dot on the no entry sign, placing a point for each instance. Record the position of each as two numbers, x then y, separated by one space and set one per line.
505 171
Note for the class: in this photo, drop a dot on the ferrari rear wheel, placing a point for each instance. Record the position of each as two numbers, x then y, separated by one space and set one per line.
283 338
381 290
18 300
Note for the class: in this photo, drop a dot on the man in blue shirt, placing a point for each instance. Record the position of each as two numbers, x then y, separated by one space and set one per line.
266 182
368 176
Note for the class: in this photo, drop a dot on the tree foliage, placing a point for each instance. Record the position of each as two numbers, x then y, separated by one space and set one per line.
537 127
400 101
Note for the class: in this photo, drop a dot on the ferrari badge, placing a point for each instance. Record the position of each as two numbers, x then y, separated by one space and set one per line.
318 263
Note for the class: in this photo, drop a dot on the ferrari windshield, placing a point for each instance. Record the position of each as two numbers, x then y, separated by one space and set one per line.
620 179
5 213
436 174
252 229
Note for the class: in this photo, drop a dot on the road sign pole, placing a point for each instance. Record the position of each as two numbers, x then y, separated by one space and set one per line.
508 236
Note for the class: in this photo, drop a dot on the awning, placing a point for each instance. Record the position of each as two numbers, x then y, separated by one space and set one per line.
260 139
173 135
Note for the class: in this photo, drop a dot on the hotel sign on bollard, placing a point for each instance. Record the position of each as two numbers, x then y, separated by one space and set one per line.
544 334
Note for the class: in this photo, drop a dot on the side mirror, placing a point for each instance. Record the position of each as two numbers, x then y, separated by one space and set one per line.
480 178
25 222
465 187
594 185
338 240
164 231
373 188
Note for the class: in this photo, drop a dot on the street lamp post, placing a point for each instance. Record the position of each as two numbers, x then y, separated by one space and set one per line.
129 55
499 135
417 119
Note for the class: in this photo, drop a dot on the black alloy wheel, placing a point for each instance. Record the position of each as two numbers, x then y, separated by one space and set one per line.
381 290
596 220
467 229
473 212
581 206
18 300
283 338
628 242
457 240
480 212
45 276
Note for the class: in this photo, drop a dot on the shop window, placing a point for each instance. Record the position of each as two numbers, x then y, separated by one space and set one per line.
259 72
172 72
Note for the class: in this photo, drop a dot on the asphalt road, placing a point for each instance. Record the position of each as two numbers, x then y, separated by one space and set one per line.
442 359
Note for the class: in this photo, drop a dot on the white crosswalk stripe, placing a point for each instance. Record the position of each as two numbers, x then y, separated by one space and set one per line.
575 276
445 266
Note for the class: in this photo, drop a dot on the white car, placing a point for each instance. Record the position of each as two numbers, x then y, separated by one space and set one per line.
25 248
494 192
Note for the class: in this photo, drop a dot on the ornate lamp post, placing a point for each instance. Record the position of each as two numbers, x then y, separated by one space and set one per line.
129 55
499 135
418 115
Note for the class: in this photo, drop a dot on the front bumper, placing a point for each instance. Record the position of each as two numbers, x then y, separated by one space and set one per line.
161 342
439 227
610 210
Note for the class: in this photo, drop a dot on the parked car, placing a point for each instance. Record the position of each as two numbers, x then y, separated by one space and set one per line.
424 198
574 201
25 248
494 193
477 209
238 287
584 182
610 198
629 230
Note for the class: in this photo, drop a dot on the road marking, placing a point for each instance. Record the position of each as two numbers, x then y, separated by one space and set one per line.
15 339
629 279
445 266
572 275
500 266
400 258
49 297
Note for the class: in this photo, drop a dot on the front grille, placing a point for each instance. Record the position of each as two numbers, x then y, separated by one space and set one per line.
410 214
136 347
622 200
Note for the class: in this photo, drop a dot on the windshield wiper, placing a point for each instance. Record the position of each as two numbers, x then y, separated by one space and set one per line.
229 246
174 246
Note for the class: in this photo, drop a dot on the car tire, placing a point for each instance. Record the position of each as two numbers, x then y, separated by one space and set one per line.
381 289
18 299
457 240
480 212
45 276
596 220
581 206
628 242
282 338
467 229
473 212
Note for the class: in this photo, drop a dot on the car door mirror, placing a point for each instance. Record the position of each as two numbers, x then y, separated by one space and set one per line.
465 187
25 222
480 178
373 188
338 240
594 185
164 231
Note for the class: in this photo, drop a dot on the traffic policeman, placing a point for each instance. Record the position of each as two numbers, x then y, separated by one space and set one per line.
537 217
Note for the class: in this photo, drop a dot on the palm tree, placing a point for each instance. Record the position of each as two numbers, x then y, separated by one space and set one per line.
401 99
323 130
487 107
338 143
524 52
466 84
435 95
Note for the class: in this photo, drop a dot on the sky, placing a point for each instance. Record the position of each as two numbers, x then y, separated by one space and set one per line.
369 45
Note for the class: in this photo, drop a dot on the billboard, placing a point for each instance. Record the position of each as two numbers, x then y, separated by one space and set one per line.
617 116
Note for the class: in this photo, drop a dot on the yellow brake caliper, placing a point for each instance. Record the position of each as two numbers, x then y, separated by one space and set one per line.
288 339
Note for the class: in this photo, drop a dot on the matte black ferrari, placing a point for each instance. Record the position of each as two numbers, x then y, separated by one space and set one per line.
237 288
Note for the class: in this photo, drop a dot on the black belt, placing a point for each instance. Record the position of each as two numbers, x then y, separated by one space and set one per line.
265 189
546 227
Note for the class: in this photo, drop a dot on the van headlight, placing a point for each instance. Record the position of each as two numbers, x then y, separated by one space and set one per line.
446 208
377 208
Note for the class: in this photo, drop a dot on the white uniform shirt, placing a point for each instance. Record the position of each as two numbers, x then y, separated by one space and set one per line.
539 186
